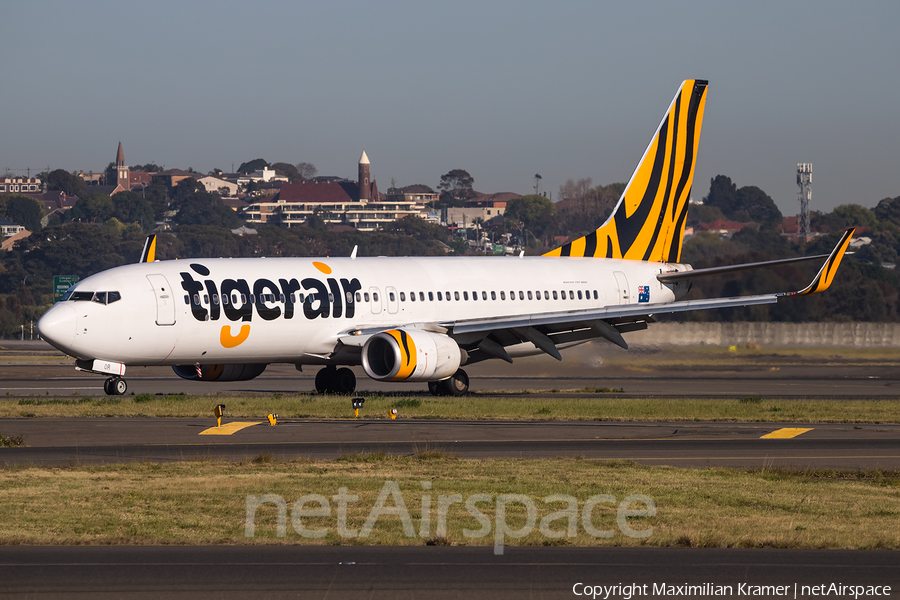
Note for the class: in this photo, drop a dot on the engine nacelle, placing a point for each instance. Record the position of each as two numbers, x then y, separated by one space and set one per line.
410 355
219 372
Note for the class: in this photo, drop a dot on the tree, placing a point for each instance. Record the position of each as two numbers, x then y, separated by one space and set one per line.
25 211
457 183
110 174
130 207
536 213
306 170
888 211
95 208
253 165
148 168
62 180
582 208
286 170
745 204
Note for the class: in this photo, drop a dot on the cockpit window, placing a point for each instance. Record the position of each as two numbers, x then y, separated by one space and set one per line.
98 297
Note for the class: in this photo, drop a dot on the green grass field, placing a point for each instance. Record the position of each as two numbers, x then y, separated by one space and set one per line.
543 406
206 503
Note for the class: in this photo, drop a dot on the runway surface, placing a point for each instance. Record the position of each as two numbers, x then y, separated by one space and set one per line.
637 373
422 572
97 441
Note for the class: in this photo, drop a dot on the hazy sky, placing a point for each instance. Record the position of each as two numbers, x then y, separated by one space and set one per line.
502 89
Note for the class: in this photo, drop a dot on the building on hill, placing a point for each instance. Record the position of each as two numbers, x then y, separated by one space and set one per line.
9 229
126 179
357 204
19 185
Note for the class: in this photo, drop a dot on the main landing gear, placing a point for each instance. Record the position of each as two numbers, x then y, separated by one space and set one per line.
115 386
331 380
455 385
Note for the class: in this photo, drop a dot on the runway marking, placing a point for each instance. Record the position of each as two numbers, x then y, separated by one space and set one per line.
785 433
229 428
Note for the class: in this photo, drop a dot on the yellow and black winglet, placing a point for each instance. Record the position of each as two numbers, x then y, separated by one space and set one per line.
828 270
149 252
648 221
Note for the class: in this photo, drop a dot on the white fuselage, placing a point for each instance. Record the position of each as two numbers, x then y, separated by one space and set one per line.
201 310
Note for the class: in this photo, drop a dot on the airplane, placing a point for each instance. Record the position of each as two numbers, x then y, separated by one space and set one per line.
409 319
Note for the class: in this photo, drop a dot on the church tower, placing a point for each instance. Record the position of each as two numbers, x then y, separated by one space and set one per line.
121 169
365 189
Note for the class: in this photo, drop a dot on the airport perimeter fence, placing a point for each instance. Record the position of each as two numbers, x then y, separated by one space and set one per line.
857 335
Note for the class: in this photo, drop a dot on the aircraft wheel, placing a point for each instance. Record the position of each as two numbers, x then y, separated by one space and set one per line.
434 387
108 388
118 386
344 381
457 384
325 380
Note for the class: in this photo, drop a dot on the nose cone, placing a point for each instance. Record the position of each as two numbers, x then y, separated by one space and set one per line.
57 326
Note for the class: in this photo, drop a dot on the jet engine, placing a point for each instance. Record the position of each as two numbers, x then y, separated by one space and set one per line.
410 355
219 372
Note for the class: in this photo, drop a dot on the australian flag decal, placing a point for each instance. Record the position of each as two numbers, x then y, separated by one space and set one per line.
643 293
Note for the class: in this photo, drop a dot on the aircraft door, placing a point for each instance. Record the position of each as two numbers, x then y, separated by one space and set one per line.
165 299
622 283
376 300
392 301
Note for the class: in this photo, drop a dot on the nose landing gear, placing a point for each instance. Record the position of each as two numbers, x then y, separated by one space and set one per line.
115 386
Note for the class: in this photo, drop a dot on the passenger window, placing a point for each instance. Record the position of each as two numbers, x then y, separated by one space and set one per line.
587 294
412 296
447 296
375 296
205 298
300 298
474 295
243 299
529 294
216 299
484 295
330 298
281 298
522 295
512 295
358 297
187 299
431 296
546 295
421 296
571 295
503 295
555 297
595 294
224 300
456 296
350 297
402 297
366 296
465 295
391 296
493 295
579 294
439 296
196 300
563 294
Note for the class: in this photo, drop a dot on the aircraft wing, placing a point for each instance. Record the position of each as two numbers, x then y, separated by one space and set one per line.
488 337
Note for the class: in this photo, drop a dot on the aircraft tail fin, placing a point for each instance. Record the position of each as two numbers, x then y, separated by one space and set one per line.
149 252
648 221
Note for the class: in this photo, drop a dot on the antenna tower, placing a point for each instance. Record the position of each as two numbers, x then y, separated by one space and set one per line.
804 180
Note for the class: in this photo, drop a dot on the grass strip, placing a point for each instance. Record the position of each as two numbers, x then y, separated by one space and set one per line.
593 407
205 503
